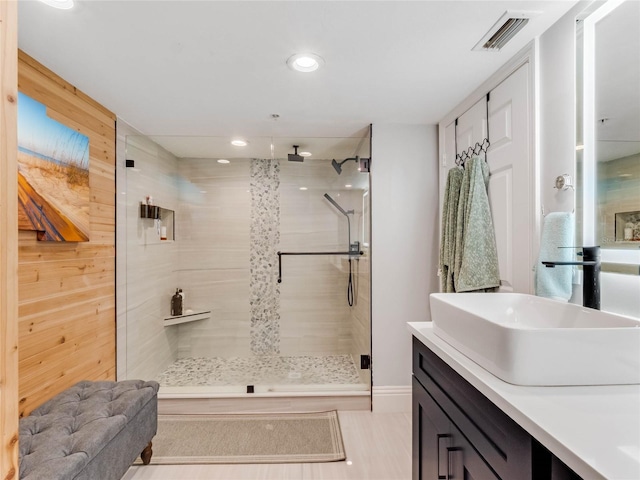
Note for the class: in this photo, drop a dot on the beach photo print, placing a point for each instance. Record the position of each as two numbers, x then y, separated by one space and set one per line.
53 176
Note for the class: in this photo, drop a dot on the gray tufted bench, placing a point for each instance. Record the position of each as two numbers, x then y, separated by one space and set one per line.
91 431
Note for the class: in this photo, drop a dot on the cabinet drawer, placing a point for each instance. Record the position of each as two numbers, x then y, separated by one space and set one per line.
497 438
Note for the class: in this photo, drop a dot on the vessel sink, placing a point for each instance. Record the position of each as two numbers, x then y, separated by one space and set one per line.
528 340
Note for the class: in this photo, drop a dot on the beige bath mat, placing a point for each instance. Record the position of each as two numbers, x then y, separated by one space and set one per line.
248 438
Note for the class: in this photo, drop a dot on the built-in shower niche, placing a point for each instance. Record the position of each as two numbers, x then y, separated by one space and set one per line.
155 225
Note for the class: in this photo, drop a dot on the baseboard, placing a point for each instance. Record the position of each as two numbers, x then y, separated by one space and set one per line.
392 399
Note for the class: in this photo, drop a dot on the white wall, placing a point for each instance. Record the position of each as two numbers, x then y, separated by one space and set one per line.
404 242
557 121
557 115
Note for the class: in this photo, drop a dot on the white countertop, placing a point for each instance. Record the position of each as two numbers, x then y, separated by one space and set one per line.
594 430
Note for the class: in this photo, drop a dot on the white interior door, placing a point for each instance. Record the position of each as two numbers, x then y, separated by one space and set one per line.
510 184
509 160
472 126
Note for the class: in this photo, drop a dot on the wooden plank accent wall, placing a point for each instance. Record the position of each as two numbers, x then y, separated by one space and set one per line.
8 241
66 291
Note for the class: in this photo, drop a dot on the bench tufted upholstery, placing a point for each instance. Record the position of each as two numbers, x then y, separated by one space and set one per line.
90 430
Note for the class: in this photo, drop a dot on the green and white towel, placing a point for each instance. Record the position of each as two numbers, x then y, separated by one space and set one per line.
447 240
476 256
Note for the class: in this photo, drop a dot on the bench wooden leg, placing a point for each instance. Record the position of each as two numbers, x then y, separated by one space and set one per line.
146 454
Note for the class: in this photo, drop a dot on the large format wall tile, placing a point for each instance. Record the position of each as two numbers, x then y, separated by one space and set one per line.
231 220
150 262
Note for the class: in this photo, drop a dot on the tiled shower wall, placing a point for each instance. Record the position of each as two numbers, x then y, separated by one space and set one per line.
264 290
315 316
149 262
213 234
227 230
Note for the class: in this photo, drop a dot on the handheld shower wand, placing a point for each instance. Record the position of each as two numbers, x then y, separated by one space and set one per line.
352 247
342 211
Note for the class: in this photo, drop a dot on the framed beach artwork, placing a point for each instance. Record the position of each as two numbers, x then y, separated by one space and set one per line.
53 175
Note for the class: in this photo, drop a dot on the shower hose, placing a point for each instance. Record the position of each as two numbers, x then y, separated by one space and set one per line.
350 286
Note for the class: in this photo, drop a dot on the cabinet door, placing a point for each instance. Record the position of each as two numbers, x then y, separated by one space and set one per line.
464 462
431 437
440 451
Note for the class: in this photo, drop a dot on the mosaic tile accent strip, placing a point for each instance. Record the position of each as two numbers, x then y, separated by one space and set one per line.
264 290
303 370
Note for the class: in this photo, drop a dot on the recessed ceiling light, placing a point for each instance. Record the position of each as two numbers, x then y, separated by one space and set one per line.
61 4
348 185
222 160
305 62
239 143
303 188
305 154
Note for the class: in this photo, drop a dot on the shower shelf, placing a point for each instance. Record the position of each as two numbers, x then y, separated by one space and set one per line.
188 317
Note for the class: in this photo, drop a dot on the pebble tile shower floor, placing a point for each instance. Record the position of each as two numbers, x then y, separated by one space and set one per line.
260 370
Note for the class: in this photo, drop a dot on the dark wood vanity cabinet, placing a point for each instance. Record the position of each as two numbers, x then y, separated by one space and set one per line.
459 434
442 451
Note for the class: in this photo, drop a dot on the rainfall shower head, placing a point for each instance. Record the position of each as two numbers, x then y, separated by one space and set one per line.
294 157
338 166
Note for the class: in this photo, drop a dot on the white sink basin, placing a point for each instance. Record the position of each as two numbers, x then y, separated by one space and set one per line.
529 340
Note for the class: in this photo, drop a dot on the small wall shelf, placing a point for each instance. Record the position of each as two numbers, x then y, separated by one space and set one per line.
188 317
157 224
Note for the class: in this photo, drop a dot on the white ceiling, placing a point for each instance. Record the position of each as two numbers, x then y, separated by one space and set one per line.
217 68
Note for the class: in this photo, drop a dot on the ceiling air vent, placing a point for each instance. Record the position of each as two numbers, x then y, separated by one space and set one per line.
503 30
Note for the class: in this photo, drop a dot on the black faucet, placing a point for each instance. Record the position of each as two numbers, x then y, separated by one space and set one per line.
591 275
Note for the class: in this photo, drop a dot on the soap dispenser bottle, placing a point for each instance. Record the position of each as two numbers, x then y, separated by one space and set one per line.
176 304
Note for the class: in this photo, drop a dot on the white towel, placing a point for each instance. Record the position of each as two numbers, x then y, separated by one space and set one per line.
557 231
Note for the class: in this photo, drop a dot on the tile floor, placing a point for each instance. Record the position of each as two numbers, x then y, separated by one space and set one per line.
378 447
260 370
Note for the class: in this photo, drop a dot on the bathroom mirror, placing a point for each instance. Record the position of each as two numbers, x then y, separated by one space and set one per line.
608 137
